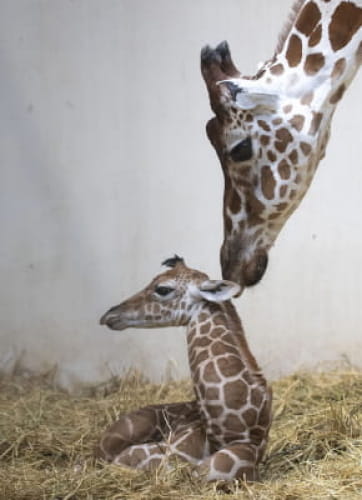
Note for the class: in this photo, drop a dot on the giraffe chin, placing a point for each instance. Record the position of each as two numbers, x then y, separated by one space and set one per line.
249 273
255 269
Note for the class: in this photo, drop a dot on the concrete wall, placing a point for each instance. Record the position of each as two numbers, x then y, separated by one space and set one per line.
106 170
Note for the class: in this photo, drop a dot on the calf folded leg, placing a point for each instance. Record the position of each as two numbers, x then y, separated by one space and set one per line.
148 424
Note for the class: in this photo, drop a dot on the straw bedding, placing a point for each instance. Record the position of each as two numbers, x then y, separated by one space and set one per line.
47 437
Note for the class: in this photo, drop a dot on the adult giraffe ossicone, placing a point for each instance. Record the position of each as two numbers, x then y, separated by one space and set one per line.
224 431
270 130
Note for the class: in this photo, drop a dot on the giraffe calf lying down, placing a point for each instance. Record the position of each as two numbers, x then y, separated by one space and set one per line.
224 431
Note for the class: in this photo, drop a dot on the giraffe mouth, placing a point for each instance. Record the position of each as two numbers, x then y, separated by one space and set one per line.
112 321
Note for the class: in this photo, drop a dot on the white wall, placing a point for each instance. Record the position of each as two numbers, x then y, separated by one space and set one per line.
106 170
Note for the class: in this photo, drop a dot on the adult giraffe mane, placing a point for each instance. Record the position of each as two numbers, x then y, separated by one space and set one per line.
288 25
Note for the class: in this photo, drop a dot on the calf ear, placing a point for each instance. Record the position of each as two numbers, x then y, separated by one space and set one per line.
218 290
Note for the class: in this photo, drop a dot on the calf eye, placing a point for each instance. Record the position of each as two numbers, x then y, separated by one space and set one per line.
242 151
163 290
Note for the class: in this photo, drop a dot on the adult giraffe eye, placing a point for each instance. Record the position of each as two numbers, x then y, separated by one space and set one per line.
163 290
242 151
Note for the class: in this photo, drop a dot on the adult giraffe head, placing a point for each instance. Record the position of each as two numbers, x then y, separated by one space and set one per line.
270 130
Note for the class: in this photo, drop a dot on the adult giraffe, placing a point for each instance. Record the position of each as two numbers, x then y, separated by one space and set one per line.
271 130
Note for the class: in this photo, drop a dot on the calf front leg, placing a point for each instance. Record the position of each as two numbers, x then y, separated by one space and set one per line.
235 461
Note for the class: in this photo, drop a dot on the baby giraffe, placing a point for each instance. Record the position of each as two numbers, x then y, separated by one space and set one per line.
224 431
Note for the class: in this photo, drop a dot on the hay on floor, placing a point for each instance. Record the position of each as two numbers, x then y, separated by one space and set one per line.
47 438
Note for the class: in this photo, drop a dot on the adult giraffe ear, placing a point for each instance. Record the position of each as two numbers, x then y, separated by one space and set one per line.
218 290
250 95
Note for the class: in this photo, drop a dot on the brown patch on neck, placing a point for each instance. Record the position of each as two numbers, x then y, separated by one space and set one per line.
263 124
294 51
284 169
346 20
338 94
359 54
297 122
289 24
315 123
306 148
236 328
314 63
284 137
277 69
308 18
339 68
293 157
271 156
264 140
315 37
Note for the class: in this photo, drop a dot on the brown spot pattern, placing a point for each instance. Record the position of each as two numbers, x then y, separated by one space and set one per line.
315 37
315 123
277 121
277 69
338 94
306 148
339 68
254 208
263 124
284 137
307 98
217 332
271 156
346 20
250 416
264 139
288 108
204 329
233 423
293 157
210 374
199 358
297 122
218 348
314 63
235 394
256 397
294 51
229 366
202 342
214 411
267 182
283 190
284 169
308 18
212 393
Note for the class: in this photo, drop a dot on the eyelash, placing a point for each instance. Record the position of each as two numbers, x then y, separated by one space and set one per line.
242 151
163 290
